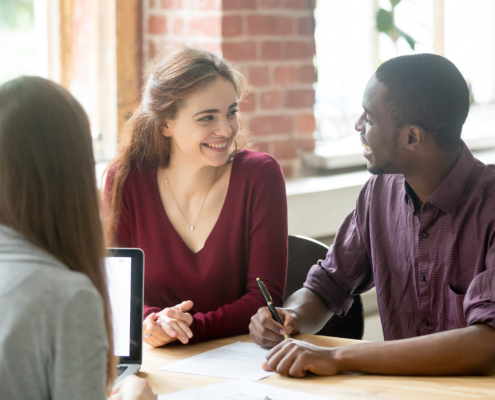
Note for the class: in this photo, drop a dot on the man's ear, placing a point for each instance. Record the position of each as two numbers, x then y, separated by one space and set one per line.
415 137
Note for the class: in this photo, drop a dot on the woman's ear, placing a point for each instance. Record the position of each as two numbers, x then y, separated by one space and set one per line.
165 128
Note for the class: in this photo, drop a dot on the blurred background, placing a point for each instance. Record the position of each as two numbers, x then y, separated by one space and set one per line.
307 62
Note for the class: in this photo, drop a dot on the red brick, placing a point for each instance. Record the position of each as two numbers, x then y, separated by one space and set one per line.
269 25
239 51
287 170
305 123
179 26
300 4
285 75
299 50
270 125
214 47
157 25
238 4
207 4
306 26
300 98
151 49
306 74
231 26
270 3
258 76
171 4
262 147
271 50
248 104
208 26
271 100
306 144
285 149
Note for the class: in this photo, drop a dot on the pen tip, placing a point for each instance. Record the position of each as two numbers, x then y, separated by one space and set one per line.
257 279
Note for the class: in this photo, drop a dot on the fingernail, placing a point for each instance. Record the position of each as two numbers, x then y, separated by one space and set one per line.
173 333
184 339
189 334
282 331
288 329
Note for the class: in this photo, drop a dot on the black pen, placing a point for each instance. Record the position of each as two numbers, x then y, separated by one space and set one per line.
268 299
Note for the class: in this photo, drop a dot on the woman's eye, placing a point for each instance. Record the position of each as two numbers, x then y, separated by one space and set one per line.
233 112
206 119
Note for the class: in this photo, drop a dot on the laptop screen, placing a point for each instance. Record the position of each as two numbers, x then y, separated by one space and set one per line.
125 275
119 290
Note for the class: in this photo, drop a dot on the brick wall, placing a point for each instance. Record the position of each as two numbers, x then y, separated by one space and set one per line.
272 42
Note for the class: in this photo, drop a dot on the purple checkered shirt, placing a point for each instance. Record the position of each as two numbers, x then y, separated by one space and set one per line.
434 269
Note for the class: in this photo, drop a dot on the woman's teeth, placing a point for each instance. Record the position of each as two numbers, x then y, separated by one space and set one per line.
217 145
366 147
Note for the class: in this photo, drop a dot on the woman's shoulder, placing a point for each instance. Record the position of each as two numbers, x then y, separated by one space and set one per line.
252 161
28 272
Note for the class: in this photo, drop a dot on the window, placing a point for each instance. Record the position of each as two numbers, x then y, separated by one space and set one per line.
349 49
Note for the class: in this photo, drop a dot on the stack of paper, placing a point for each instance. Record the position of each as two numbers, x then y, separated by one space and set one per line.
235 361
239 390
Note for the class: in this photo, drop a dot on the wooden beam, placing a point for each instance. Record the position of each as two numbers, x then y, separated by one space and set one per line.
128 20
65 30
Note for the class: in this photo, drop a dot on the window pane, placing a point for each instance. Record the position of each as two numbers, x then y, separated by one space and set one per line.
17 39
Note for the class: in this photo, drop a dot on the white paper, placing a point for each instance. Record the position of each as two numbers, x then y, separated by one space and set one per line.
239 390
239 360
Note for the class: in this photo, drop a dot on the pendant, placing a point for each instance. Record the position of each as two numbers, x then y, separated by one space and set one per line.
192 227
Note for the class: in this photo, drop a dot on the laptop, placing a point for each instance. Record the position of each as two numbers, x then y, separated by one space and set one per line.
125 280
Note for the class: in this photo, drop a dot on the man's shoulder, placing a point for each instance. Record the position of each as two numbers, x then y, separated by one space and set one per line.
483 179
383 185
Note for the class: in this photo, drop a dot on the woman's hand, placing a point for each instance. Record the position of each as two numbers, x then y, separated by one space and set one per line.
168 325
133 388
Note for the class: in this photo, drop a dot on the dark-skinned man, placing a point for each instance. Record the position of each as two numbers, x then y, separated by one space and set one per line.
422 233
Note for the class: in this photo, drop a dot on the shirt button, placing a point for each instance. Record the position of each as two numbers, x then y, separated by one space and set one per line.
423 278
424 235
426 322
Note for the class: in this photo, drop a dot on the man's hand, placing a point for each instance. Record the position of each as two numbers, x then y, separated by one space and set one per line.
266 332
296 358
133 388
168 325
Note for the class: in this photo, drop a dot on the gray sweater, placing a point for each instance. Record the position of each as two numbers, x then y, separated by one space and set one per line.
53 343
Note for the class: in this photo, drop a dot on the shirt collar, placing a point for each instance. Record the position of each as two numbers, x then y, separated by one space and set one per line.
449 194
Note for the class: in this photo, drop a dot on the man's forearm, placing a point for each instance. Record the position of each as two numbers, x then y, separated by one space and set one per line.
466 351
312 312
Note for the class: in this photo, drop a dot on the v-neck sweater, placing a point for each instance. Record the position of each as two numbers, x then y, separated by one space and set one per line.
248 241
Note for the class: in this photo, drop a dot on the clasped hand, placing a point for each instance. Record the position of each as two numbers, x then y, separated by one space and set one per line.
168 325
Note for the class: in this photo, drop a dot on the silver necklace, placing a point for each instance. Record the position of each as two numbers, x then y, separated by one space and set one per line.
201 209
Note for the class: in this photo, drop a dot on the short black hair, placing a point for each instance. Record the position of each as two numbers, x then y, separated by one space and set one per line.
426 90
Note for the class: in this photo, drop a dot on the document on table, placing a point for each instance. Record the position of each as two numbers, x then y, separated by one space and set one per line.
239 360
239 390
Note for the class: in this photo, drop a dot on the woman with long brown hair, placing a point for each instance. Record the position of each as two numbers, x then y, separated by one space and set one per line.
210 215
55 326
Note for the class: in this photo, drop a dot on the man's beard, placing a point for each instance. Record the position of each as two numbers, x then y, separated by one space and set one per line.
388 166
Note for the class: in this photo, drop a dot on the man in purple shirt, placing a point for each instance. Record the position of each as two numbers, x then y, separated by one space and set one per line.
422 233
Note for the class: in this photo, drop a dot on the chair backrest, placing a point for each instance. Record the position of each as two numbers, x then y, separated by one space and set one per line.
303 254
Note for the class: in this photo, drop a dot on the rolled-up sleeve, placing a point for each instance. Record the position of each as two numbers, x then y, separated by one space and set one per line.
479 303
346 270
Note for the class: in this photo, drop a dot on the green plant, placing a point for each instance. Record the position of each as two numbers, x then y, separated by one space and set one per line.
385 22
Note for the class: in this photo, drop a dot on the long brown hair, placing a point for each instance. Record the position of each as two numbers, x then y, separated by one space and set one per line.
181 72
48 188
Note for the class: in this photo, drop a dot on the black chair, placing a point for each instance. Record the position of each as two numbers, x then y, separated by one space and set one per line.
303 254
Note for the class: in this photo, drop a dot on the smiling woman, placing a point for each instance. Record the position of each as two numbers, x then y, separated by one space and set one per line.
210 215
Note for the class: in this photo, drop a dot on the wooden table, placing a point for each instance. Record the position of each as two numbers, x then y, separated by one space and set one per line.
345 386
